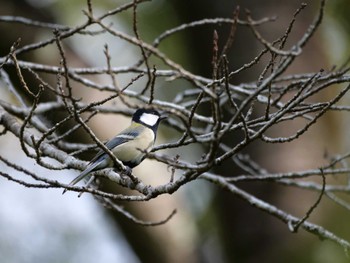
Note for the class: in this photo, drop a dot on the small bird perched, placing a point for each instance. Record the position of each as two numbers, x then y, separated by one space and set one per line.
129 146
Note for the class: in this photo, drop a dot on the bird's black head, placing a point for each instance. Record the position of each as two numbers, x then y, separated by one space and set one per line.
147 117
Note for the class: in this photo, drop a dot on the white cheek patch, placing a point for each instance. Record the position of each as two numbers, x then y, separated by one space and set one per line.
149 119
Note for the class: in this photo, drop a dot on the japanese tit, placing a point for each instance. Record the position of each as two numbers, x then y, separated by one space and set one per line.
129 146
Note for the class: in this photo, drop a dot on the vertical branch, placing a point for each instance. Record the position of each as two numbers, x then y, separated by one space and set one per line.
109 70
19 73
190 118
313 27
214 61
265 70
26 121
114 81
65 73
230 99
232 33
90 9
290 26
294 227
151 96
143 52
215 104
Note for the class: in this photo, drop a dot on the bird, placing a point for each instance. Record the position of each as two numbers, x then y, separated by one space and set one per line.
129 146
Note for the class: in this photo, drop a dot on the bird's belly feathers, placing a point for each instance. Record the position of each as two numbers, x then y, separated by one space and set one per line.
131 153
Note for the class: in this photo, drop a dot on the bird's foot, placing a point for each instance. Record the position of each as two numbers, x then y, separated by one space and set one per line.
128 172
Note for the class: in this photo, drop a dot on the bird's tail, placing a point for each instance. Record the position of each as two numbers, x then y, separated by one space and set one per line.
83 174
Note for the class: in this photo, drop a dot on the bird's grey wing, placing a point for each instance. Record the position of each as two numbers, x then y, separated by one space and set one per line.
121 138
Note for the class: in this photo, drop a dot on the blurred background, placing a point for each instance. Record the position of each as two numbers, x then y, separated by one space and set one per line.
210 225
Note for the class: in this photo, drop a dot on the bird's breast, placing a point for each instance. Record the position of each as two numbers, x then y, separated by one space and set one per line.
131 153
